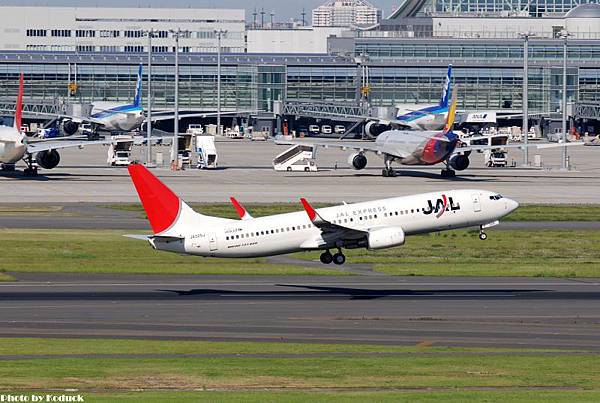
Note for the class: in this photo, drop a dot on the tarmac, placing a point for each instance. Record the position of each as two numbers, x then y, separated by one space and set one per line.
245 171
484 312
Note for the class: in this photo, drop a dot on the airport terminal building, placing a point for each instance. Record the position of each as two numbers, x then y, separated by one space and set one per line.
406 55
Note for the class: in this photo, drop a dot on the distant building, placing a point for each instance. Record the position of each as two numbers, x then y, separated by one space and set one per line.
345 13
304 40
119 29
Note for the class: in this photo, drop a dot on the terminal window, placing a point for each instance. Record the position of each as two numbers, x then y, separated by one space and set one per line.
37 32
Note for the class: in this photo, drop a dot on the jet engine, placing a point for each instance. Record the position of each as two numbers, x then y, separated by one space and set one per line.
459 162
385 238
357 161
48 159
70 127
374 129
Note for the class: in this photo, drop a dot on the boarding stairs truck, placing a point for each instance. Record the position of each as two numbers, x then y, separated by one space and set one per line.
206 152
119 152
296 158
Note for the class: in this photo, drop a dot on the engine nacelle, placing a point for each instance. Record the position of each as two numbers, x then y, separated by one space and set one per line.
459 162
385 238
70 127
48 159
374 129
357 161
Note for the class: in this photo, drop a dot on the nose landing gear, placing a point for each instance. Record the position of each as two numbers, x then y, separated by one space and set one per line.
327 258
482 234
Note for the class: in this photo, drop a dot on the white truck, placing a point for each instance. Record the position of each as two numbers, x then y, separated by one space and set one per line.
119 154
206 152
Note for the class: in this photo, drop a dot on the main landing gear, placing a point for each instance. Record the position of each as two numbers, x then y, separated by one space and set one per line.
448 172
338 258
388 171
31 169
482 234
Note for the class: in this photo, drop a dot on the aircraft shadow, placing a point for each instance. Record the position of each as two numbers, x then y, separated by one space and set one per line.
357 293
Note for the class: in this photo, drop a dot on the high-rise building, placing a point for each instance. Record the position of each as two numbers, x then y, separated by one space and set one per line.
345 13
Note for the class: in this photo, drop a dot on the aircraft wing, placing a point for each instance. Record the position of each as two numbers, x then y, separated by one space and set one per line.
460 150
329 231
37 146
356 146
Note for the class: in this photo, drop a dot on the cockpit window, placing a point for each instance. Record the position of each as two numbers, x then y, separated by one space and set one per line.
496 197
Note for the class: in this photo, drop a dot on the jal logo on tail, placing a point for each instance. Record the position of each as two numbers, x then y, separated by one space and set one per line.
440 206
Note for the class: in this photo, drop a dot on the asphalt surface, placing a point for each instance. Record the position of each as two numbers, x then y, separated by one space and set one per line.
511 312
245 171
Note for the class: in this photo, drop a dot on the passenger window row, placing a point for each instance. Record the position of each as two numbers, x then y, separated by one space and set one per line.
255 234
401 212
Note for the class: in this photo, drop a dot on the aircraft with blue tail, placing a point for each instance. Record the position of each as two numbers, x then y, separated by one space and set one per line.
432 117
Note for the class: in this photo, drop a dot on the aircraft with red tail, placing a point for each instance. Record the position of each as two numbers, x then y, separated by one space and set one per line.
373 225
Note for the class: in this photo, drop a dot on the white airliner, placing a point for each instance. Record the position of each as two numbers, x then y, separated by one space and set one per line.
417 148
373 225
15 146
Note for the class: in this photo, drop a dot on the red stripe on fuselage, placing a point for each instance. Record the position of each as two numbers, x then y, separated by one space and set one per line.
435 150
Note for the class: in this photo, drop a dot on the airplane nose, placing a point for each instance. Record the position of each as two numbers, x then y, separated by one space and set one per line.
512 205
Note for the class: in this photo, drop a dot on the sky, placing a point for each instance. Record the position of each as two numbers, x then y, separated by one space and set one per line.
284 9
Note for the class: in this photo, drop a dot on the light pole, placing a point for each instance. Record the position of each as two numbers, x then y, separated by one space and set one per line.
219 33
564 35
150 34
525 101
175 146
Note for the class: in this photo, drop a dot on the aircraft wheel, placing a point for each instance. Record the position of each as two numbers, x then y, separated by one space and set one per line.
289 169
326 257
339 258
482 236
384 173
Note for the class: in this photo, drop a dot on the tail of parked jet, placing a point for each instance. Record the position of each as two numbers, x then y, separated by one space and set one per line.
447 88
19 106
451 113
137 100
169 216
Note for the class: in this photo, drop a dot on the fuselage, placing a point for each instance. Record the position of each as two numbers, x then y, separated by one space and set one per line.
118 117
12 145
418 148
293 232
428 118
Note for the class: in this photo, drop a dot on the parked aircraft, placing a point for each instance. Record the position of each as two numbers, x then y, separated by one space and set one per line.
117 117
417 148
415 116
105 116
377 224
15 145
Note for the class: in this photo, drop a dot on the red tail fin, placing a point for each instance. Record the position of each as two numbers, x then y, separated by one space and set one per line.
161 204
19 107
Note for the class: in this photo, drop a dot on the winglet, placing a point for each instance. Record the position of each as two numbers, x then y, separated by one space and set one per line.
312 214
242 212
19 106
451 112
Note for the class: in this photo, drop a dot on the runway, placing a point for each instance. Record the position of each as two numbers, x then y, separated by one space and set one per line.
510 312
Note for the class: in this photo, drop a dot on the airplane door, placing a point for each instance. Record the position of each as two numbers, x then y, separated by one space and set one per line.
476 202
212 241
